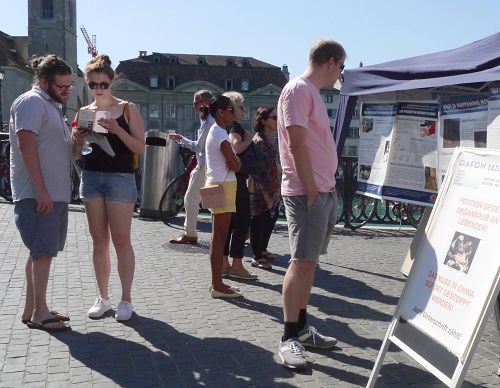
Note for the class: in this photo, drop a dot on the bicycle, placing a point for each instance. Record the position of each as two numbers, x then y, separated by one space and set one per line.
172 199
5 188
403 211
357 209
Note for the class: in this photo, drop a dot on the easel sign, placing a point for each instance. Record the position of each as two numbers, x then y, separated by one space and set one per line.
454 280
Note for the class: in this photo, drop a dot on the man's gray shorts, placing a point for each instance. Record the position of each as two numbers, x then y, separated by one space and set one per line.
43 235
310 228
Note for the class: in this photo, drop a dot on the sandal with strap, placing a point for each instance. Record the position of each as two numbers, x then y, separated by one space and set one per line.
60 316
261 263
268 255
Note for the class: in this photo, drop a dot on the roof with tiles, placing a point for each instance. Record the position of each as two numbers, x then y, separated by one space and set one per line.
13 50
188 67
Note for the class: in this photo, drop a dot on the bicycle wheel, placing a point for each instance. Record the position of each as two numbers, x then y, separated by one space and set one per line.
414 214
361 211
172 200
394 212
340 204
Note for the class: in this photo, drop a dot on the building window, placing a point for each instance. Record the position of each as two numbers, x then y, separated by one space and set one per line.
230 62
331 113
47 9
328 98
201 61
354 133
153 81
171 81
170 111
229 84
154 111
245 62
352 151
244 85
189 112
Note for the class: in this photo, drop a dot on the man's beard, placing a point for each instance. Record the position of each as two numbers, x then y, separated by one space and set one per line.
51 92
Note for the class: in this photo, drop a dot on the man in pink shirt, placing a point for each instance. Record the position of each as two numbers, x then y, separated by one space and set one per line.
309 161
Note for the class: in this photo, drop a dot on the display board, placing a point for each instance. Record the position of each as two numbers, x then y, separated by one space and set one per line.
405 147
454 278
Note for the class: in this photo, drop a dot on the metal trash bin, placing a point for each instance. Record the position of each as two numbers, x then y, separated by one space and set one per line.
158 169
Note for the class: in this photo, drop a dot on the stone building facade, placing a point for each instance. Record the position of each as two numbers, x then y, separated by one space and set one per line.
163 86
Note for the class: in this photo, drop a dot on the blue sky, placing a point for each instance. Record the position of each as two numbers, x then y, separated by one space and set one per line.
274 31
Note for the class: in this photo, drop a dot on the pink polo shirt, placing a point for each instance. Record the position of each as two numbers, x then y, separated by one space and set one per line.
300 103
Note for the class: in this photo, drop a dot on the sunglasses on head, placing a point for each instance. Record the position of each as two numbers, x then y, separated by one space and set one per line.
100 85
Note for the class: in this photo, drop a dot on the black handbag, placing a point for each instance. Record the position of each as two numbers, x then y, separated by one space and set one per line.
253 160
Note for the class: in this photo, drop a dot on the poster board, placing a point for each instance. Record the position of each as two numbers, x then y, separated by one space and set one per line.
454 279
397 153
406 145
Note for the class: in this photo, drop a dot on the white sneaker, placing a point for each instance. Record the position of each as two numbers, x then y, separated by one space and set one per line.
99 308
124 311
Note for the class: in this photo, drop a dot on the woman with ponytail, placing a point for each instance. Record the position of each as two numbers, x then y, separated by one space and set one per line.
221 165
108 188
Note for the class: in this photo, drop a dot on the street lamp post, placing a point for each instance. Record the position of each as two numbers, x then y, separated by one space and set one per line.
1 117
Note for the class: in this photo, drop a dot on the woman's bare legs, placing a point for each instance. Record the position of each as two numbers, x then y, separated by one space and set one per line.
99 230
220 227
120 221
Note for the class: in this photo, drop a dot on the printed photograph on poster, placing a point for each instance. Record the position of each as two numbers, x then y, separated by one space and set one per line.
451 133
428 128
480 139
430 178
461 252
387 148
367 124
365 171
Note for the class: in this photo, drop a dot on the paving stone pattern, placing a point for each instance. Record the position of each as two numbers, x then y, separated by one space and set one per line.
180 337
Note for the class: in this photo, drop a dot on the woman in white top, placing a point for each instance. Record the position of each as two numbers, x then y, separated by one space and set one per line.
221 164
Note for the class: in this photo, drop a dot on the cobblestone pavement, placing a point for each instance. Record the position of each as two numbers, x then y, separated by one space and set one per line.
181 337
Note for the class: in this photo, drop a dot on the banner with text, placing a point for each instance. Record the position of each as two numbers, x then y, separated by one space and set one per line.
456 269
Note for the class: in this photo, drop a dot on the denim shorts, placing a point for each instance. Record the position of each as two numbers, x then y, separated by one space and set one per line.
310 227
111 186
42 234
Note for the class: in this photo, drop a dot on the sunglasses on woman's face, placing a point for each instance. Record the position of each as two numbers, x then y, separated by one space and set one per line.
100 85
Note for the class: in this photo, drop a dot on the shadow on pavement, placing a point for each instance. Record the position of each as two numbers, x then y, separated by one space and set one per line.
173 358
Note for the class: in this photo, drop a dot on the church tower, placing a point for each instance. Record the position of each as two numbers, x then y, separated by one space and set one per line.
52 30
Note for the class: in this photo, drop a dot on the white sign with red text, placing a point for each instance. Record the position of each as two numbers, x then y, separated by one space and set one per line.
456 270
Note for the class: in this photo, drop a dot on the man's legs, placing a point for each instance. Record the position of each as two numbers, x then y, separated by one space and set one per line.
30 298
192 200
297 286
40 278
309 231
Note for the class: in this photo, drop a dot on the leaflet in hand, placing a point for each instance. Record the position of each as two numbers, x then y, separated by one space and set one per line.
88 119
